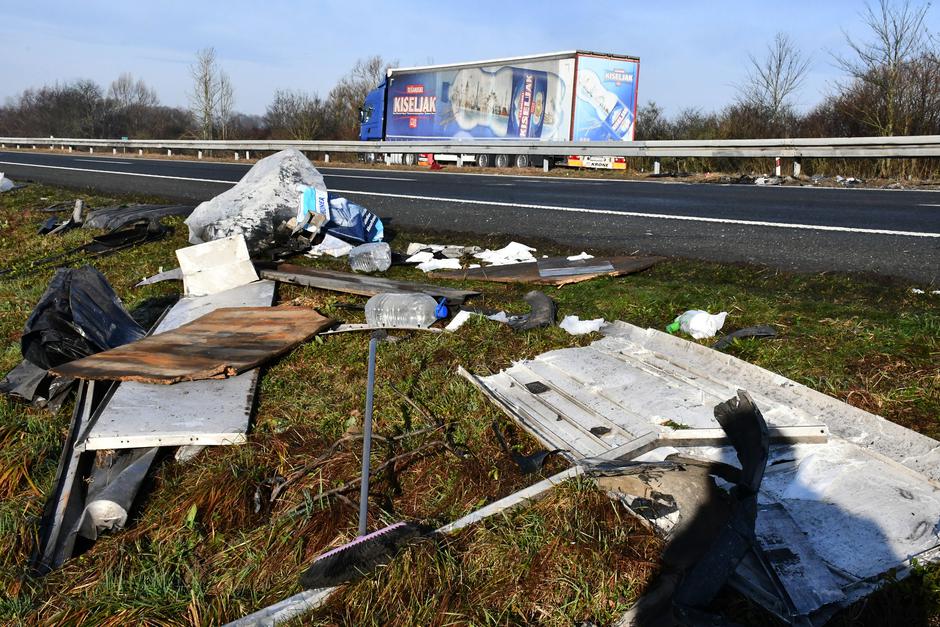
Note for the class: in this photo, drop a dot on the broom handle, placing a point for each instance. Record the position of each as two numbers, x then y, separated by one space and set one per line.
367 441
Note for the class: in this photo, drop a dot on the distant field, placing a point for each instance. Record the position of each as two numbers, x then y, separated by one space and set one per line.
198 552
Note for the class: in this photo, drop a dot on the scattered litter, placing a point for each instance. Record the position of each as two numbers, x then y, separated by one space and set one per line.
357 283
697 323
223 343
576 326
450 251
142 416
78 315
5 183
176 274
353 222
215 266
916 290
530 273
580 257
557 267
358 328
432 265
459 319
331 246
401 310
421 257
259 206
820 479
527 464
542 314
29 383
756 331
371 257
313 212
514 252
111 218
768 180
850 181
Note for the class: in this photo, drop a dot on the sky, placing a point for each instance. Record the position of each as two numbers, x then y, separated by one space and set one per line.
693 54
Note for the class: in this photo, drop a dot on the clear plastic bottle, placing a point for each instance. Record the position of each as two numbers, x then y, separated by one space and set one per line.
401 310
371 257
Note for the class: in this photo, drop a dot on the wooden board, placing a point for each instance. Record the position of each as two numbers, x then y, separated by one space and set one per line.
220 344
529 272
362 284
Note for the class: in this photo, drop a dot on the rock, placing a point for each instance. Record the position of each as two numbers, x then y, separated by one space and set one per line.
260 205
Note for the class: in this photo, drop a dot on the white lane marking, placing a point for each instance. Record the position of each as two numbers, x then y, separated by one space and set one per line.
152 176
493 203
374 178
104 161
636 214
925 204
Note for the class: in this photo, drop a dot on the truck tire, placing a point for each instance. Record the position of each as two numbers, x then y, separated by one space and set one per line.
522 161
483 161
501 161
409 159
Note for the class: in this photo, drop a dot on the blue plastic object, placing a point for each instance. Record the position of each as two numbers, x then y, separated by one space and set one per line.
440 312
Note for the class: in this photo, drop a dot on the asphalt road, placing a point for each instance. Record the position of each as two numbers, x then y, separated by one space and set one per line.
883 232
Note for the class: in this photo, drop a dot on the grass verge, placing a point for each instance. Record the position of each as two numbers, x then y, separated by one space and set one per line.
208 545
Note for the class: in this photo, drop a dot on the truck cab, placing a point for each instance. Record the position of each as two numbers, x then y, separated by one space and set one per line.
372 115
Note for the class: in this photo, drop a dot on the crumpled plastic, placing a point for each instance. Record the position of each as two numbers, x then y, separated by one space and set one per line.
78 315
575 326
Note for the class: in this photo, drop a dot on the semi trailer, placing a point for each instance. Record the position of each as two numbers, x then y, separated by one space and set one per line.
561 96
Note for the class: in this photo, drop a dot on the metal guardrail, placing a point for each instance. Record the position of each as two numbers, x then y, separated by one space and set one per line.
842 147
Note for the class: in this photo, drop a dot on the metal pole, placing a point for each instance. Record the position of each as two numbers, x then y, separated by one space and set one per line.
367 440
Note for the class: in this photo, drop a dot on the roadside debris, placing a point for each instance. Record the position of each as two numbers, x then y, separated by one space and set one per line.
559 270
575 326
850 181
215 266
220 344
351 283
401 310
697 323
259 206
755 331
331 246
528 464
370 257
768 180
111 218
513 252
542 314
819 483
78 315
176 274
5 183
449 251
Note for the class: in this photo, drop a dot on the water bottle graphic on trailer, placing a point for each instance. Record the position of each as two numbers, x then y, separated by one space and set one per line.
612 111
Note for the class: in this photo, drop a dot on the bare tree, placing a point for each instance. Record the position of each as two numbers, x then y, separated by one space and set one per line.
225 104
350 92
213 97
296 115
126 92
773 80
898 39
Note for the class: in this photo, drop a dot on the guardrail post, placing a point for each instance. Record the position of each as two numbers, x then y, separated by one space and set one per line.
777 166
140 152
326 157
17 146
656 167
34 146
91 150
169 153
459 161
545 165
199 155
70 149
114 151
236 155
797 167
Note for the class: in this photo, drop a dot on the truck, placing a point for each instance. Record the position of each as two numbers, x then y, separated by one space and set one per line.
555 97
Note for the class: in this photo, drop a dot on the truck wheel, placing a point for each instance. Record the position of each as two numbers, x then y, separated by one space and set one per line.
483 161
522 161
409 159
501 161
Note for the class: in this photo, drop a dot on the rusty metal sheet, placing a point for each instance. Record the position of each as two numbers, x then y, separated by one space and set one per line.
220 344
529 272
361 284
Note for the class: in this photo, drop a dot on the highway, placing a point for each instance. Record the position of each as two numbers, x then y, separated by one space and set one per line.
882 232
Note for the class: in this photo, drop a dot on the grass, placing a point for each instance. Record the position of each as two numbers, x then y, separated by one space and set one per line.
199 551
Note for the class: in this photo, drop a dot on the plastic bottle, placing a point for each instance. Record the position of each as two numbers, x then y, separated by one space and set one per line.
612 111
401 310
371 257
697 323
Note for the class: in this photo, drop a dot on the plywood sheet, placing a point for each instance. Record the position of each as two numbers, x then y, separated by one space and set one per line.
529 272
220 344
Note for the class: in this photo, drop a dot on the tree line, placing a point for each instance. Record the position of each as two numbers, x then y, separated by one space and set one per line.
890 86
130 108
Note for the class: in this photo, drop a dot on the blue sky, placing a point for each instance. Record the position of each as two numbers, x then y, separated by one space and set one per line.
692 53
